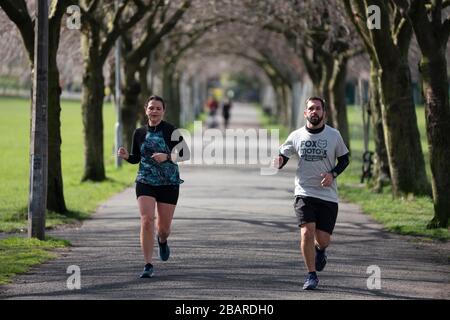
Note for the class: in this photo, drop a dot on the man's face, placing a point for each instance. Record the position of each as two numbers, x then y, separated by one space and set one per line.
314 112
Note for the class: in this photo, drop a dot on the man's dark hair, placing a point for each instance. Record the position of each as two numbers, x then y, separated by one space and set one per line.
156 98
322 101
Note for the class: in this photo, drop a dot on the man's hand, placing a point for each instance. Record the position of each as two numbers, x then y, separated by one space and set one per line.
123 153
160 157
327 179
277 162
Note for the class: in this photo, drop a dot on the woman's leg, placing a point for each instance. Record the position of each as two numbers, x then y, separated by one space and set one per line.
165 216
147 209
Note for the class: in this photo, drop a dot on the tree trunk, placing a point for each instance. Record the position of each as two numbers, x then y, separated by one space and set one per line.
381 169
437 114
55 187
130 107
280 107
172 114
432 36
337 89
277 99
91 106
327 73
406 162
176 100
145 91
282 103
55 194
285 105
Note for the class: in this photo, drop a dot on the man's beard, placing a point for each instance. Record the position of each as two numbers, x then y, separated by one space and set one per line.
315 120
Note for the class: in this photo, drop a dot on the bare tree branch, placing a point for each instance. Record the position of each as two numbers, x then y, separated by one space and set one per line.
118 29
17 11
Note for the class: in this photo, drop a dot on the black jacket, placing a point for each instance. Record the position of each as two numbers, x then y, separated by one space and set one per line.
178 146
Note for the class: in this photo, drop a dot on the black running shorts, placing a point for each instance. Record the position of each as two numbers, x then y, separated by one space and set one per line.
166 194
323 213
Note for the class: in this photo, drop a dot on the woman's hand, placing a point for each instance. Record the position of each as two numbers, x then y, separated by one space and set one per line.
160 157
123 153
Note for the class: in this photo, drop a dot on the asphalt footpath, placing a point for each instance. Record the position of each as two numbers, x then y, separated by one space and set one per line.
234 236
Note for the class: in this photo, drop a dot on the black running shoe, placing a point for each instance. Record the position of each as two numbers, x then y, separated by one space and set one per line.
148 271
321 259
164 250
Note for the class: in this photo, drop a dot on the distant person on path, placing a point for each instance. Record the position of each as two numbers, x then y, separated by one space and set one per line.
157 147
226 106
318 147
212 105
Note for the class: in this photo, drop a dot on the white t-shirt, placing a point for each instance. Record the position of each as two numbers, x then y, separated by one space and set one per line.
317 154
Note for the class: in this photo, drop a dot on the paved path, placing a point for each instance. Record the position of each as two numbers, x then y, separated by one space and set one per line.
234 237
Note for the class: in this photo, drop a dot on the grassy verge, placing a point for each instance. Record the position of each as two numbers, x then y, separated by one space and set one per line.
201 117
81 198
407 216
17 255
268 122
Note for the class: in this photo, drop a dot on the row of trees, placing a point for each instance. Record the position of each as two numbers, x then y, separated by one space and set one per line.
387 47
284 39
322 35
100 26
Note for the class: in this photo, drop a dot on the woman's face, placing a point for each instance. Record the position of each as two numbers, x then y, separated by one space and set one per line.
155 111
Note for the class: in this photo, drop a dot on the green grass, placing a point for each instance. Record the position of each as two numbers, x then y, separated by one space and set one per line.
17 255
268 122
9 82
408 216
81 198
201 117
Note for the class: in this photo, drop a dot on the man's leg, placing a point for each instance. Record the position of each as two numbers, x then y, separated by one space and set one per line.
308 252
321 243
322 239
326 220
308 231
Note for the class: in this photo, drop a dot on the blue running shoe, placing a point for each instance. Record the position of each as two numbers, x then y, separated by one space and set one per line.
164 250
148 271
321 259
311 282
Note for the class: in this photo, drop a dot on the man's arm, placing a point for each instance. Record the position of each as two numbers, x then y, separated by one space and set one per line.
283 160
342 163
287 149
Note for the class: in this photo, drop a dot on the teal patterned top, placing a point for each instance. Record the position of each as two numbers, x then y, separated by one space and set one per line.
150 171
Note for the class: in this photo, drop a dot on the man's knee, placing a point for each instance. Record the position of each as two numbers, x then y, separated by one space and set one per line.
322 239
308 232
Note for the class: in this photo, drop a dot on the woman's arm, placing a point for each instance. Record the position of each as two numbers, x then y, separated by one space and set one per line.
135 156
